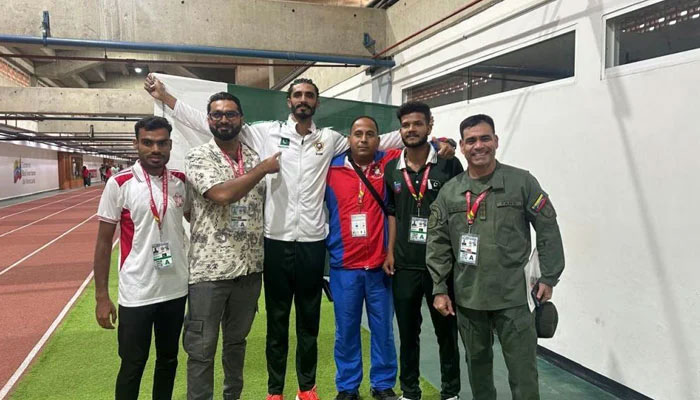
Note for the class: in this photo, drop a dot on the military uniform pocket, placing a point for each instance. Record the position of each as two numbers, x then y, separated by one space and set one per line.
510 223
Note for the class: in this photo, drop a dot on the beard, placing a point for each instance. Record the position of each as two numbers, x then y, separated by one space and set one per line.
296 111
420 143
225 133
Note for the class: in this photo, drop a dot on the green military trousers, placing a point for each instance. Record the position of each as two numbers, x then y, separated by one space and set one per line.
516 332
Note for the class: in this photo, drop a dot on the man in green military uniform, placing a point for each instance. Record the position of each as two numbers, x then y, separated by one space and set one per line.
414 180
479 230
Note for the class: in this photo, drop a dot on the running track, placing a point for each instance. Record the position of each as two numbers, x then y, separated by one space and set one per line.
46 260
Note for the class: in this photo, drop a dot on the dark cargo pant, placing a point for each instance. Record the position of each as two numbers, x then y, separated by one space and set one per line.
516 332
230 304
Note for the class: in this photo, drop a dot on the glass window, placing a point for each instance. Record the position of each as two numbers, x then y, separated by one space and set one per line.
546 61
668 27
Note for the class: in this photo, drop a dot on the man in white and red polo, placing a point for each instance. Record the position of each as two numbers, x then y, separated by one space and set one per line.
148 201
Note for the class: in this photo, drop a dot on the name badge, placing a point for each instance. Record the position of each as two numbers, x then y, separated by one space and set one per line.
162 256
418 232
358 225
469 249
239 218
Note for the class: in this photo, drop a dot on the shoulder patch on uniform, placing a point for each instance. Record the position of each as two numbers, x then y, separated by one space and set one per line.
539 203
548 210
434 218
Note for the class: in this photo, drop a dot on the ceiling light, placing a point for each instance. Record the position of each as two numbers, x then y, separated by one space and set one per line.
662 19
651 29
696 16
684 13
672 22
641 26
138 70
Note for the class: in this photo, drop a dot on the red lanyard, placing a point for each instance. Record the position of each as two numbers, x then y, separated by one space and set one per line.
237 169
158 217
361 191
418 197
472 209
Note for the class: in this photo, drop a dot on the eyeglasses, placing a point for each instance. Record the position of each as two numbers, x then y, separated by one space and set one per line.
217 115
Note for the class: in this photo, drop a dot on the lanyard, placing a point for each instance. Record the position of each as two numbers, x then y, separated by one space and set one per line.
418 197
237 169
472 209
158 217
361 187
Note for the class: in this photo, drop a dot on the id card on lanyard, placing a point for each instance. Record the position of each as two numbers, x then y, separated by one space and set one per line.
238 213
162 254
469 242
358 221
418 231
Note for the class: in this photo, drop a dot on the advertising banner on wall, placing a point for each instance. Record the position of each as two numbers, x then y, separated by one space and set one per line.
26 170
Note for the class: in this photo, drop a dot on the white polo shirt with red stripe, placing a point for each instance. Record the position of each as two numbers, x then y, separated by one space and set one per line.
126 200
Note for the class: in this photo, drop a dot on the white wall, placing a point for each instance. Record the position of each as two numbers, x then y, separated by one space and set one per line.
618 152
39 170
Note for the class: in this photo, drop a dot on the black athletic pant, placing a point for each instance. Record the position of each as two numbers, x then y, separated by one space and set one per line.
410 287
293 272
136 325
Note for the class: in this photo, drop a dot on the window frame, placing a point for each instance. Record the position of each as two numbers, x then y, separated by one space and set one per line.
481 57
683 57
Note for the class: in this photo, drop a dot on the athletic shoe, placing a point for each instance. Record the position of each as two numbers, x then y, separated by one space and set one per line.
407 398
347 396
386 394
274 397
453 398
308 395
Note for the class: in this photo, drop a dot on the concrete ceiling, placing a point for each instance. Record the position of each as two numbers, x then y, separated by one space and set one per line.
64 79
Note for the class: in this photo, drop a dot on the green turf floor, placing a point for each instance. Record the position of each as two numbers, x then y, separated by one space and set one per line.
80 361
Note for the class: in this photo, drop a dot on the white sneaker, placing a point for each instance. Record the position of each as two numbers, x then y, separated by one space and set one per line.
404 398
454 398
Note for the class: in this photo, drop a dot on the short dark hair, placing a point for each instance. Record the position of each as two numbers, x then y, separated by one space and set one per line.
475 120
414 106
367 117
151 124
224 96
299 81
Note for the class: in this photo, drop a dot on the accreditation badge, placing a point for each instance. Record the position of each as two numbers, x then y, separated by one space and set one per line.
418 231
239 218
469 249
358 225
162 256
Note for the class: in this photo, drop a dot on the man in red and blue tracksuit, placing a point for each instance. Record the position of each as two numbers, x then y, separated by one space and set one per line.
357 244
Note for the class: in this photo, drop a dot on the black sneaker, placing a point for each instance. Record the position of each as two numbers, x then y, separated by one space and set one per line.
386 394
347 396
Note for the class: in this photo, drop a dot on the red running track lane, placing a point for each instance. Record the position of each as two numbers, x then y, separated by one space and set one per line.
27 212
23 241
33 293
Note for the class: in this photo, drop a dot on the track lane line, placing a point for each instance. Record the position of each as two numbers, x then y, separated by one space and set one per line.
44 338
60 193
28 256
48 216
42 205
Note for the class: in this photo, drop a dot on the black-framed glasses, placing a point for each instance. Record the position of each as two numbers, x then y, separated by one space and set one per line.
217 115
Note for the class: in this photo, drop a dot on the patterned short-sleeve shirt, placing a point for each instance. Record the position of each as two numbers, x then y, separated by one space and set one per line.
226 241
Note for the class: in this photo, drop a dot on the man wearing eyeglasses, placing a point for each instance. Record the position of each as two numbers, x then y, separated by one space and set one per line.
295 222
226 251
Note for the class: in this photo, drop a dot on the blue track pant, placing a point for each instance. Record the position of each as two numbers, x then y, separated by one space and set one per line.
350 288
